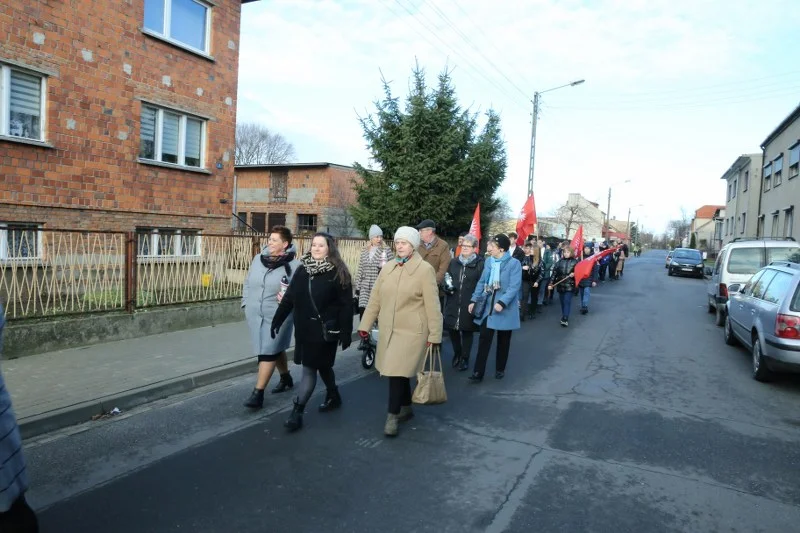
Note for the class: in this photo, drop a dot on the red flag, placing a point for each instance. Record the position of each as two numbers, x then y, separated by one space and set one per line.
584 268
577 242
526 221
475 227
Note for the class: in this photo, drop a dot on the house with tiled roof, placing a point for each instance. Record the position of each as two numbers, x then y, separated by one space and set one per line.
704 226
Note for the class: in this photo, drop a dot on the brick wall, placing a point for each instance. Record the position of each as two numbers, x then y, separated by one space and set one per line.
310 190
101 66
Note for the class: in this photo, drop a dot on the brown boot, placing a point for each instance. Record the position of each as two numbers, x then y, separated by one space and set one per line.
390 429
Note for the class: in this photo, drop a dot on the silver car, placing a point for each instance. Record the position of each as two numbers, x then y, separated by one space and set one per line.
764 315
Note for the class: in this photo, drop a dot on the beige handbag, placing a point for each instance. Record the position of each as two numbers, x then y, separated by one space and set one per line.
430 381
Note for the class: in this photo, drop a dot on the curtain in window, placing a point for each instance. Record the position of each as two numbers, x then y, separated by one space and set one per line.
26 105
169 138
194 130
147 142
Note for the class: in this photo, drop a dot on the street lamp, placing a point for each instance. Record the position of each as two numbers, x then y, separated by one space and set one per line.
533 128
628 224
608 207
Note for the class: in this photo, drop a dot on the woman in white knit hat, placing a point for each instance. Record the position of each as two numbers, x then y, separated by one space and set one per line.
374 256
405 302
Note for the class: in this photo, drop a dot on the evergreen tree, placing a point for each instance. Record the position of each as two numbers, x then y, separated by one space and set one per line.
432 162
693 241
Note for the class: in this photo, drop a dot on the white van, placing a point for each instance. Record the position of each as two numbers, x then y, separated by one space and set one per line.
739 260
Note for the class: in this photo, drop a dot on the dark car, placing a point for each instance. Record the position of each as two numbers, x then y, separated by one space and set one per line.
686 262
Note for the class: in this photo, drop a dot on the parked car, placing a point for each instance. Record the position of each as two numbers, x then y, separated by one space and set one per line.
738 261
764 315
669 258
686 262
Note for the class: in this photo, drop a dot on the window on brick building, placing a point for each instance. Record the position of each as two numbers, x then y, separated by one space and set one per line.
20 241
164 242
187 22
259 222
171 137
279 185
306 224
22 103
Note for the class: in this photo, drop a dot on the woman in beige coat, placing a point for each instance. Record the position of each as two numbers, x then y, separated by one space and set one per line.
405 301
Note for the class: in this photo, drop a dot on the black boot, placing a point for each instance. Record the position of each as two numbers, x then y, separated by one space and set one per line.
256 399
332 401
284 384
295 420
464 364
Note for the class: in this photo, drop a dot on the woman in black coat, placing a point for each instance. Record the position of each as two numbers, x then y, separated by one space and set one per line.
532 275
459 283
321 297
564 280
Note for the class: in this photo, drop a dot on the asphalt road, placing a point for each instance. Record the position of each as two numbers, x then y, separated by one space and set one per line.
635 418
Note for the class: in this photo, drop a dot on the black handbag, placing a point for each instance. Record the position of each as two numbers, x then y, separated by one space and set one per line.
328 335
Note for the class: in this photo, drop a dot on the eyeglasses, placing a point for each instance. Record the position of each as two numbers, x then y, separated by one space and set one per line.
467 246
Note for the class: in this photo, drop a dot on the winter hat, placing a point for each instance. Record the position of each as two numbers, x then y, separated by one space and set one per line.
407 233
502 241
375 231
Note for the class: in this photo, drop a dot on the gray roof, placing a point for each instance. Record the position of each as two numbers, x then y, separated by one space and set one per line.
794 115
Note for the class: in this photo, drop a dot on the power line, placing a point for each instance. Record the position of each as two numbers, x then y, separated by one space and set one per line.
490 41
469 41
467 61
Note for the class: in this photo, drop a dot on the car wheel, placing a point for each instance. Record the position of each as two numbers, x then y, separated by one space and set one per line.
730 339
720 318
760 370
669 272
711 307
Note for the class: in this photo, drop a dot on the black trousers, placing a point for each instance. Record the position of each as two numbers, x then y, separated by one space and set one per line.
530 297
20 518
602 271
399 393
462 342
485 344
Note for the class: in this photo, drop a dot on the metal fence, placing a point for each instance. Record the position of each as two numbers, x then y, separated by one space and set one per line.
45 273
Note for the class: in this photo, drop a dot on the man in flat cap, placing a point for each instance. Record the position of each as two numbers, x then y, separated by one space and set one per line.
434 250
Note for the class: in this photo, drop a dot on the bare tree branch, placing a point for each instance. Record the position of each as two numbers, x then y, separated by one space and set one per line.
257 145
572 215
339 221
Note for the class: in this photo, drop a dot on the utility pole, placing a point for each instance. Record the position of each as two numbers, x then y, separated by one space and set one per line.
608 213
628 224
533 142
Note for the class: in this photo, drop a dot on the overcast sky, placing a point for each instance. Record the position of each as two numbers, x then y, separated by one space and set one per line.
675 90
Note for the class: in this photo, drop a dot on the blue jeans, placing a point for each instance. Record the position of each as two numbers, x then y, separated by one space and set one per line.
585 292
543 289
566 302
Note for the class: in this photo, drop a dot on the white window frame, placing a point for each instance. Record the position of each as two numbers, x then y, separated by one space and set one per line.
794 168
788 221
744 222
4 227
159 133
5 102
777 171
154 234
745 180
168 22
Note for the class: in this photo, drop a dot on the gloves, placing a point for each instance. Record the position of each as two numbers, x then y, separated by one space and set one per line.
274 329
363 334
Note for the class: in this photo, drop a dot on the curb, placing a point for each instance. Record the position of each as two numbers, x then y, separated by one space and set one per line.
79 413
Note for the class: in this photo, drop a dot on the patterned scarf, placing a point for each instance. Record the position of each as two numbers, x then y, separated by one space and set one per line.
271 262
465 262
314 267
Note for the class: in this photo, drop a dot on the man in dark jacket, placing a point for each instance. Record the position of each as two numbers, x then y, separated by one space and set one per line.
515 251
585 285
16 516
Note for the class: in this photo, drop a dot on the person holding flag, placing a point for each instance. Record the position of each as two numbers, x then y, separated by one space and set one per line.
563 279
585 284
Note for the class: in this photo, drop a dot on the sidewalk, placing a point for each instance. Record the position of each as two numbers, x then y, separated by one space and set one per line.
57 389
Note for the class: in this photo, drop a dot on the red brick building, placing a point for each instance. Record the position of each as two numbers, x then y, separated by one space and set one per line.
305 197
117 115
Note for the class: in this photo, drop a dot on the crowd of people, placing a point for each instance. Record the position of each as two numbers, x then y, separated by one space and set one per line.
414 294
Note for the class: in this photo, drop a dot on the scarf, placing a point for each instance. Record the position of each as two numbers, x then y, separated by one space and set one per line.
403 260
494 272
316 267
271 262
465 262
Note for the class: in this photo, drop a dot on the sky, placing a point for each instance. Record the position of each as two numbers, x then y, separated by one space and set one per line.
675 90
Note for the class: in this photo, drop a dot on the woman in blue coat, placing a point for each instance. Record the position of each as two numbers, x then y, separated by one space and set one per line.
495 305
